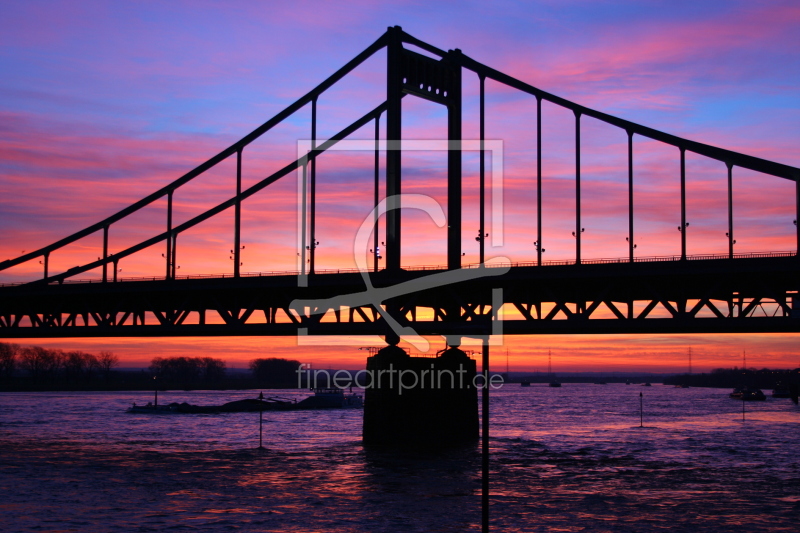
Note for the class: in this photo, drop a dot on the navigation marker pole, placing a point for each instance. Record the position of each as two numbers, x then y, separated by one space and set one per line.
744 373
260 419
485 438
641 405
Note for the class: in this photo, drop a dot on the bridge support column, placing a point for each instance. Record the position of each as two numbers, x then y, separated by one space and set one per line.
731 242
237 218
105 254
454 166
538 242
394 94
578 228
631 245
420 401
797 212
312 247
375 253
168 255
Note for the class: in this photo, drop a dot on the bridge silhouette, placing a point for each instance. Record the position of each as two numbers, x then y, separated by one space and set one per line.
673 294
683 293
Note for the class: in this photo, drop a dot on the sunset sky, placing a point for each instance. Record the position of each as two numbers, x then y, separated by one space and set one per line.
102 103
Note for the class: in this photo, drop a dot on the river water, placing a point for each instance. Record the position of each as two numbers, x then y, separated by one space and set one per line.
568 459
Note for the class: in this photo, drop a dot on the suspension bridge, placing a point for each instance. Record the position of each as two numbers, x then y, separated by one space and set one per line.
683 293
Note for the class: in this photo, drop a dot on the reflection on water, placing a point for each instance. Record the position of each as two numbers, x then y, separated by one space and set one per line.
568 459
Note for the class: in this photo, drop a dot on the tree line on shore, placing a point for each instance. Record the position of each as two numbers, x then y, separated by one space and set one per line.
764 378
188 372
211 373
53 368
38 368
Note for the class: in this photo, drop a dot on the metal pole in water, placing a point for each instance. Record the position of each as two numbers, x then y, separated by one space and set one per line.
485 436
260 419
155 387
641 406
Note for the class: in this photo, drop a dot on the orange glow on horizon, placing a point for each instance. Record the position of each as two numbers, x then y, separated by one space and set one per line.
570 353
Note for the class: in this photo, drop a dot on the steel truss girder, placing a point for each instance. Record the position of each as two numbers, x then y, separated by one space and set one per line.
740 295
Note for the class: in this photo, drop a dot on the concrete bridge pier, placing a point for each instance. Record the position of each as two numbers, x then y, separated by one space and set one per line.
425 402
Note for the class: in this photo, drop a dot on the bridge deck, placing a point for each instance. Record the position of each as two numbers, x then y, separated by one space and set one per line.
753 293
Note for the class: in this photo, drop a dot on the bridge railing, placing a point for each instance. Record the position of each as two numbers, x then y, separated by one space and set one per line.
512 264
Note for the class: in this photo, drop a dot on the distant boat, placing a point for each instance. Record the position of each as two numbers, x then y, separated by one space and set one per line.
781 390
331 399
525 383
555 384
647 384
748 394
238 406
153 409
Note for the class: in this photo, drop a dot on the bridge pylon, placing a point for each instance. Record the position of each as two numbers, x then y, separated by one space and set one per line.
438 81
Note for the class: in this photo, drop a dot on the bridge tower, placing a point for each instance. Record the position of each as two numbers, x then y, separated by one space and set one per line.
437 414
438 81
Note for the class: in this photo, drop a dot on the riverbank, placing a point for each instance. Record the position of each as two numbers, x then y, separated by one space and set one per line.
729 378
